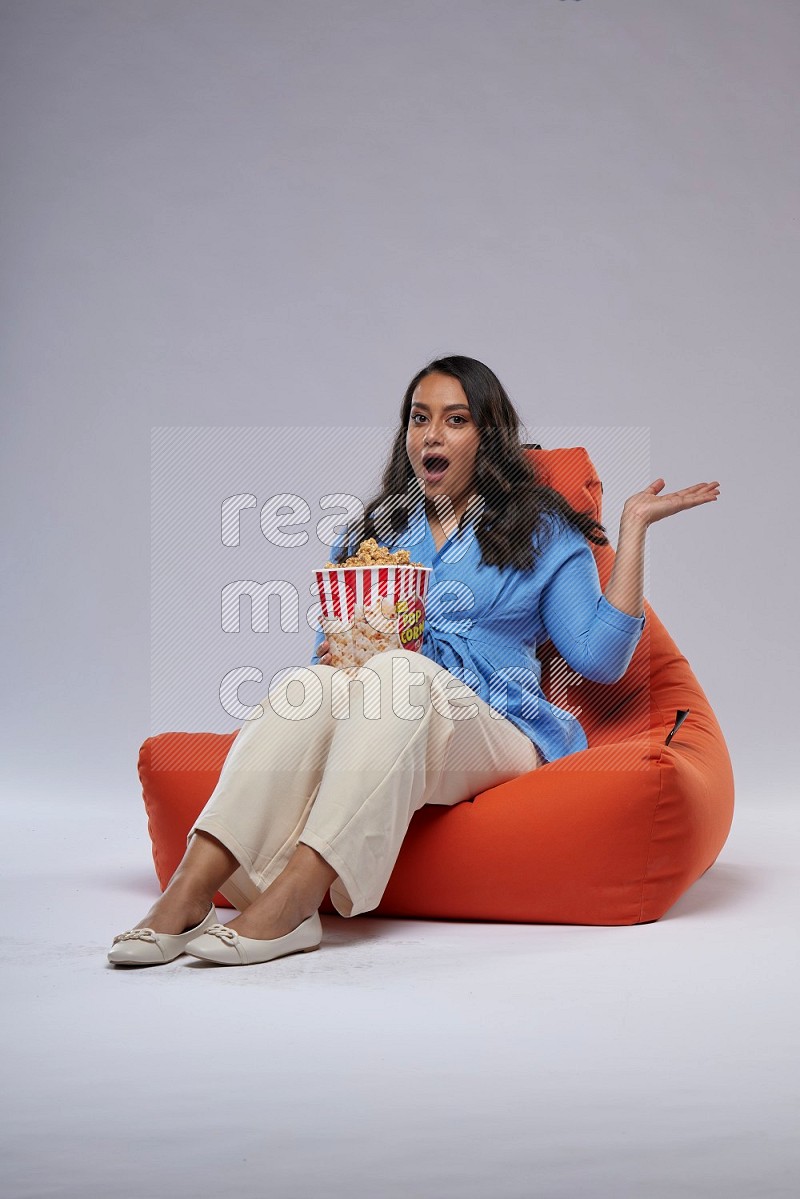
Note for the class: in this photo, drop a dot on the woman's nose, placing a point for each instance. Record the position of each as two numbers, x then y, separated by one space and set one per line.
431 435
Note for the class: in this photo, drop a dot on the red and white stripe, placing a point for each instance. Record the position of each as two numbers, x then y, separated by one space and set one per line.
344 588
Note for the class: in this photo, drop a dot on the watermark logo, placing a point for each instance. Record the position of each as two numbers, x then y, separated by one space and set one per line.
241 520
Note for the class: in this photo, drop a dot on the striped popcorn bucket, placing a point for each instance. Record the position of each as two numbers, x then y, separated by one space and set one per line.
368 609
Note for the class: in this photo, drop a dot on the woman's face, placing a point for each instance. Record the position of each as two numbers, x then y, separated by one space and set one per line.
442 441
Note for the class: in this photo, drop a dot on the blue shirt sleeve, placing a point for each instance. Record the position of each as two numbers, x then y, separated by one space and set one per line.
593 637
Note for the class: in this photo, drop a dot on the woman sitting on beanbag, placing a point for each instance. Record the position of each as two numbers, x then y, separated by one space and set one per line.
309 801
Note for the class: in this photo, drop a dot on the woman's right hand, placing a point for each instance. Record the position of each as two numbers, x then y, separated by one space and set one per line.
324 654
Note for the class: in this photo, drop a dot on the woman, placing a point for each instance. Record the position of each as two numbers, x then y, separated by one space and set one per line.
316 793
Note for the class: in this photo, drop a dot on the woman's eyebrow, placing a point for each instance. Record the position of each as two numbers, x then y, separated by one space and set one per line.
447 407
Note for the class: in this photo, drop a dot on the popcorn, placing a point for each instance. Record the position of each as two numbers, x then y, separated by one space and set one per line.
371 554
354 643
372 602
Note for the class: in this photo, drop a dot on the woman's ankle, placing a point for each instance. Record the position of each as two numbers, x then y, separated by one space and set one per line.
187 888
175 912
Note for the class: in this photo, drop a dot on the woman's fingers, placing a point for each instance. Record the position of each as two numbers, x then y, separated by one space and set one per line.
654 504
324 654
700 493
697 493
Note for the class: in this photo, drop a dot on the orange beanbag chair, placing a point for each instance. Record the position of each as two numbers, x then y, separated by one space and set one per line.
612 835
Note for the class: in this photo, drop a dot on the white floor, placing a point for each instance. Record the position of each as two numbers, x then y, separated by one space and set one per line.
405 1058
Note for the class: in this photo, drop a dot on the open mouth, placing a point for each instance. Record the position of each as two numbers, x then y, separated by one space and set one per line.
434 467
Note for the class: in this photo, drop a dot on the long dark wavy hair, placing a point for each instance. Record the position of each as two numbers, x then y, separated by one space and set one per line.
515 501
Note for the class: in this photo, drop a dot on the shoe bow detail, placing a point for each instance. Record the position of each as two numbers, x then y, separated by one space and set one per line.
136 934
237 950
146 947
224 933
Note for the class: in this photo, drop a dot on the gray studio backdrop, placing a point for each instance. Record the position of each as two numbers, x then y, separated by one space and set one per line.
267 216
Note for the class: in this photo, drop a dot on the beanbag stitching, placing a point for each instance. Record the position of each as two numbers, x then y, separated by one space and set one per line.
656 806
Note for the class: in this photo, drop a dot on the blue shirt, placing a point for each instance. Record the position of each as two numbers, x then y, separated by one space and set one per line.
484 623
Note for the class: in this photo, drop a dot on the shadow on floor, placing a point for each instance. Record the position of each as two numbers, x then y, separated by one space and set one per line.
723 886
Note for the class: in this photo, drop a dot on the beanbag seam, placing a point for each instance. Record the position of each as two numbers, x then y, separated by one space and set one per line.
656 806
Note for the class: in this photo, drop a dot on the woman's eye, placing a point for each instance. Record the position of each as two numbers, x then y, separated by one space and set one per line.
417 417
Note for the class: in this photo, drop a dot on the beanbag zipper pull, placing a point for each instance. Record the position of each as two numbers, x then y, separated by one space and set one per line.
680 717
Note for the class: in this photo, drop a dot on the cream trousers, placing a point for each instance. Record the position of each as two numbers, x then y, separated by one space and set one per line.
341 760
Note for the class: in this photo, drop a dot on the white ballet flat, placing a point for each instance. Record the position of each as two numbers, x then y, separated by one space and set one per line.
224 946
145 947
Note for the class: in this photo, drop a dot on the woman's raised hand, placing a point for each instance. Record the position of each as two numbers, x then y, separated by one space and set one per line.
625 587
324 654
646 507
